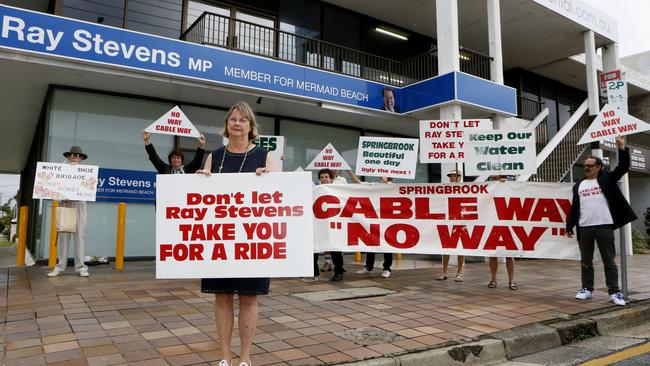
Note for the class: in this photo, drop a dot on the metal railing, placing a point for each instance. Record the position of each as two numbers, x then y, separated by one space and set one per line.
557 164
528 108
221 31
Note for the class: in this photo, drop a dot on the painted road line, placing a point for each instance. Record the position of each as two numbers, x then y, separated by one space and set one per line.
620 356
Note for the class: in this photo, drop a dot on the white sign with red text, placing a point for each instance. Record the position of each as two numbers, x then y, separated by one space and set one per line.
612 122
234 225
509 219
174 122
387 157
441 141
60 181
328 158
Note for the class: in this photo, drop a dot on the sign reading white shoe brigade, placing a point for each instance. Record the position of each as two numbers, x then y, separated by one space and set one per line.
57 181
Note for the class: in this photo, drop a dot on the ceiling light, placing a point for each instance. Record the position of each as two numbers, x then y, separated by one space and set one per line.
391 33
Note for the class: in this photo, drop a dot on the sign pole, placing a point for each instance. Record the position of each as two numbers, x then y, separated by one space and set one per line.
623 249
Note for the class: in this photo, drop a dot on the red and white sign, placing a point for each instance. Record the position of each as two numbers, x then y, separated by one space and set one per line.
328 158
387 157
608 76
442 141
174 122
612 122
234 225
510 219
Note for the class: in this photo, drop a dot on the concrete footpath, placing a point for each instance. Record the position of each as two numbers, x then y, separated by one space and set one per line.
129 317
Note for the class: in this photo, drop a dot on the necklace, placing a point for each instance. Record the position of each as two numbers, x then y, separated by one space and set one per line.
223 158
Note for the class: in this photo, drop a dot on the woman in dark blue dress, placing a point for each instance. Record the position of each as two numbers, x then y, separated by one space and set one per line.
239 156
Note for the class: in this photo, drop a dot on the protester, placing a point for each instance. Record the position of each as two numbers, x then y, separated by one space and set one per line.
175 157
74 156
370 257
337 257
324 177
239 156
598 208
455 176
494 261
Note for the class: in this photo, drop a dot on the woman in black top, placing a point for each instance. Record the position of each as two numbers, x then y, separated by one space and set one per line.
239 156
175 157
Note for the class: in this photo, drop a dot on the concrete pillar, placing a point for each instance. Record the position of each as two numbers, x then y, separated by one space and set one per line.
592 72
496 53
447 36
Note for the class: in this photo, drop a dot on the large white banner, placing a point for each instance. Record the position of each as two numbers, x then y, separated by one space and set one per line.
387 157
498 152
234 225
511 219
57 181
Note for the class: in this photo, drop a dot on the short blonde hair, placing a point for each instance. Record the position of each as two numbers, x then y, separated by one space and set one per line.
248 113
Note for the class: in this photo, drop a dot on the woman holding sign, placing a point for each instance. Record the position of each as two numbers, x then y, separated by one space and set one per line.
239 156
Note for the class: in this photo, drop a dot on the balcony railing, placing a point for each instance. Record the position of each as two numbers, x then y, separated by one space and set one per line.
220 31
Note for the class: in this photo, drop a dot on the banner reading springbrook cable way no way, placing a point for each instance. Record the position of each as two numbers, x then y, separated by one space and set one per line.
512 219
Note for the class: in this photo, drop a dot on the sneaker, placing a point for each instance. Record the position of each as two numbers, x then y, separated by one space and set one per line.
363 271
309 279
337 277
617 299
249 363
55 272
223 363
84 273
584 294
385 273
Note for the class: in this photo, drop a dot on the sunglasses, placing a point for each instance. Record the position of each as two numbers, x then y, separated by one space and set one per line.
73 155
589 166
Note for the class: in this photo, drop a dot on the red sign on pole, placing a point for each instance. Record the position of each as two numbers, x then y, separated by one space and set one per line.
608 76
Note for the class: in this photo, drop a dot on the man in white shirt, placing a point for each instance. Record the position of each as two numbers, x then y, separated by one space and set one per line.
598 208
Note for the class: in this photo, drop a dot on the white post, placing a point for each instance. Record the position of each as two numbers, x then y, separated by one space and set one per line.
592 72
448 61
447 35
496 53
612 62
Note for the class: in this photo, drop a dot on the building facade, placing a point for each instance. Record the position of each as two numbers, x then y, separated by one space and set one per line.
95 74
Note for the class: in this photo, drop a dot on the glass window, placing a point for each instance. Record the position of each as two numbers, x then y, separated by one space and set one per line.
551 120
108 129
303 141
108 12
255 34
213 29
161 17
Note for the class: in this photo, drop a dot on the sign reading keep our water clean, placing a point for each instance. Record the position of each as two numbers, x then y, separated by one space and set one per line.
57 181
508 152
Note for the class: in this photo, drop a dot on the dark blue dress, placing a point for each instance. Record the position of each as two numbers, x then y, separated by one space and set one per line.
232 163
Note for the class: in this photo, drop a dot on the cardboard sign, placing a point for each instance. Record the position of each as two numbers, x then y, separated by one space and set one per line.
441 141
275 146
328 158
612 122
502 152
387 157
234 225
56 181
617 94
174 122
509 219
